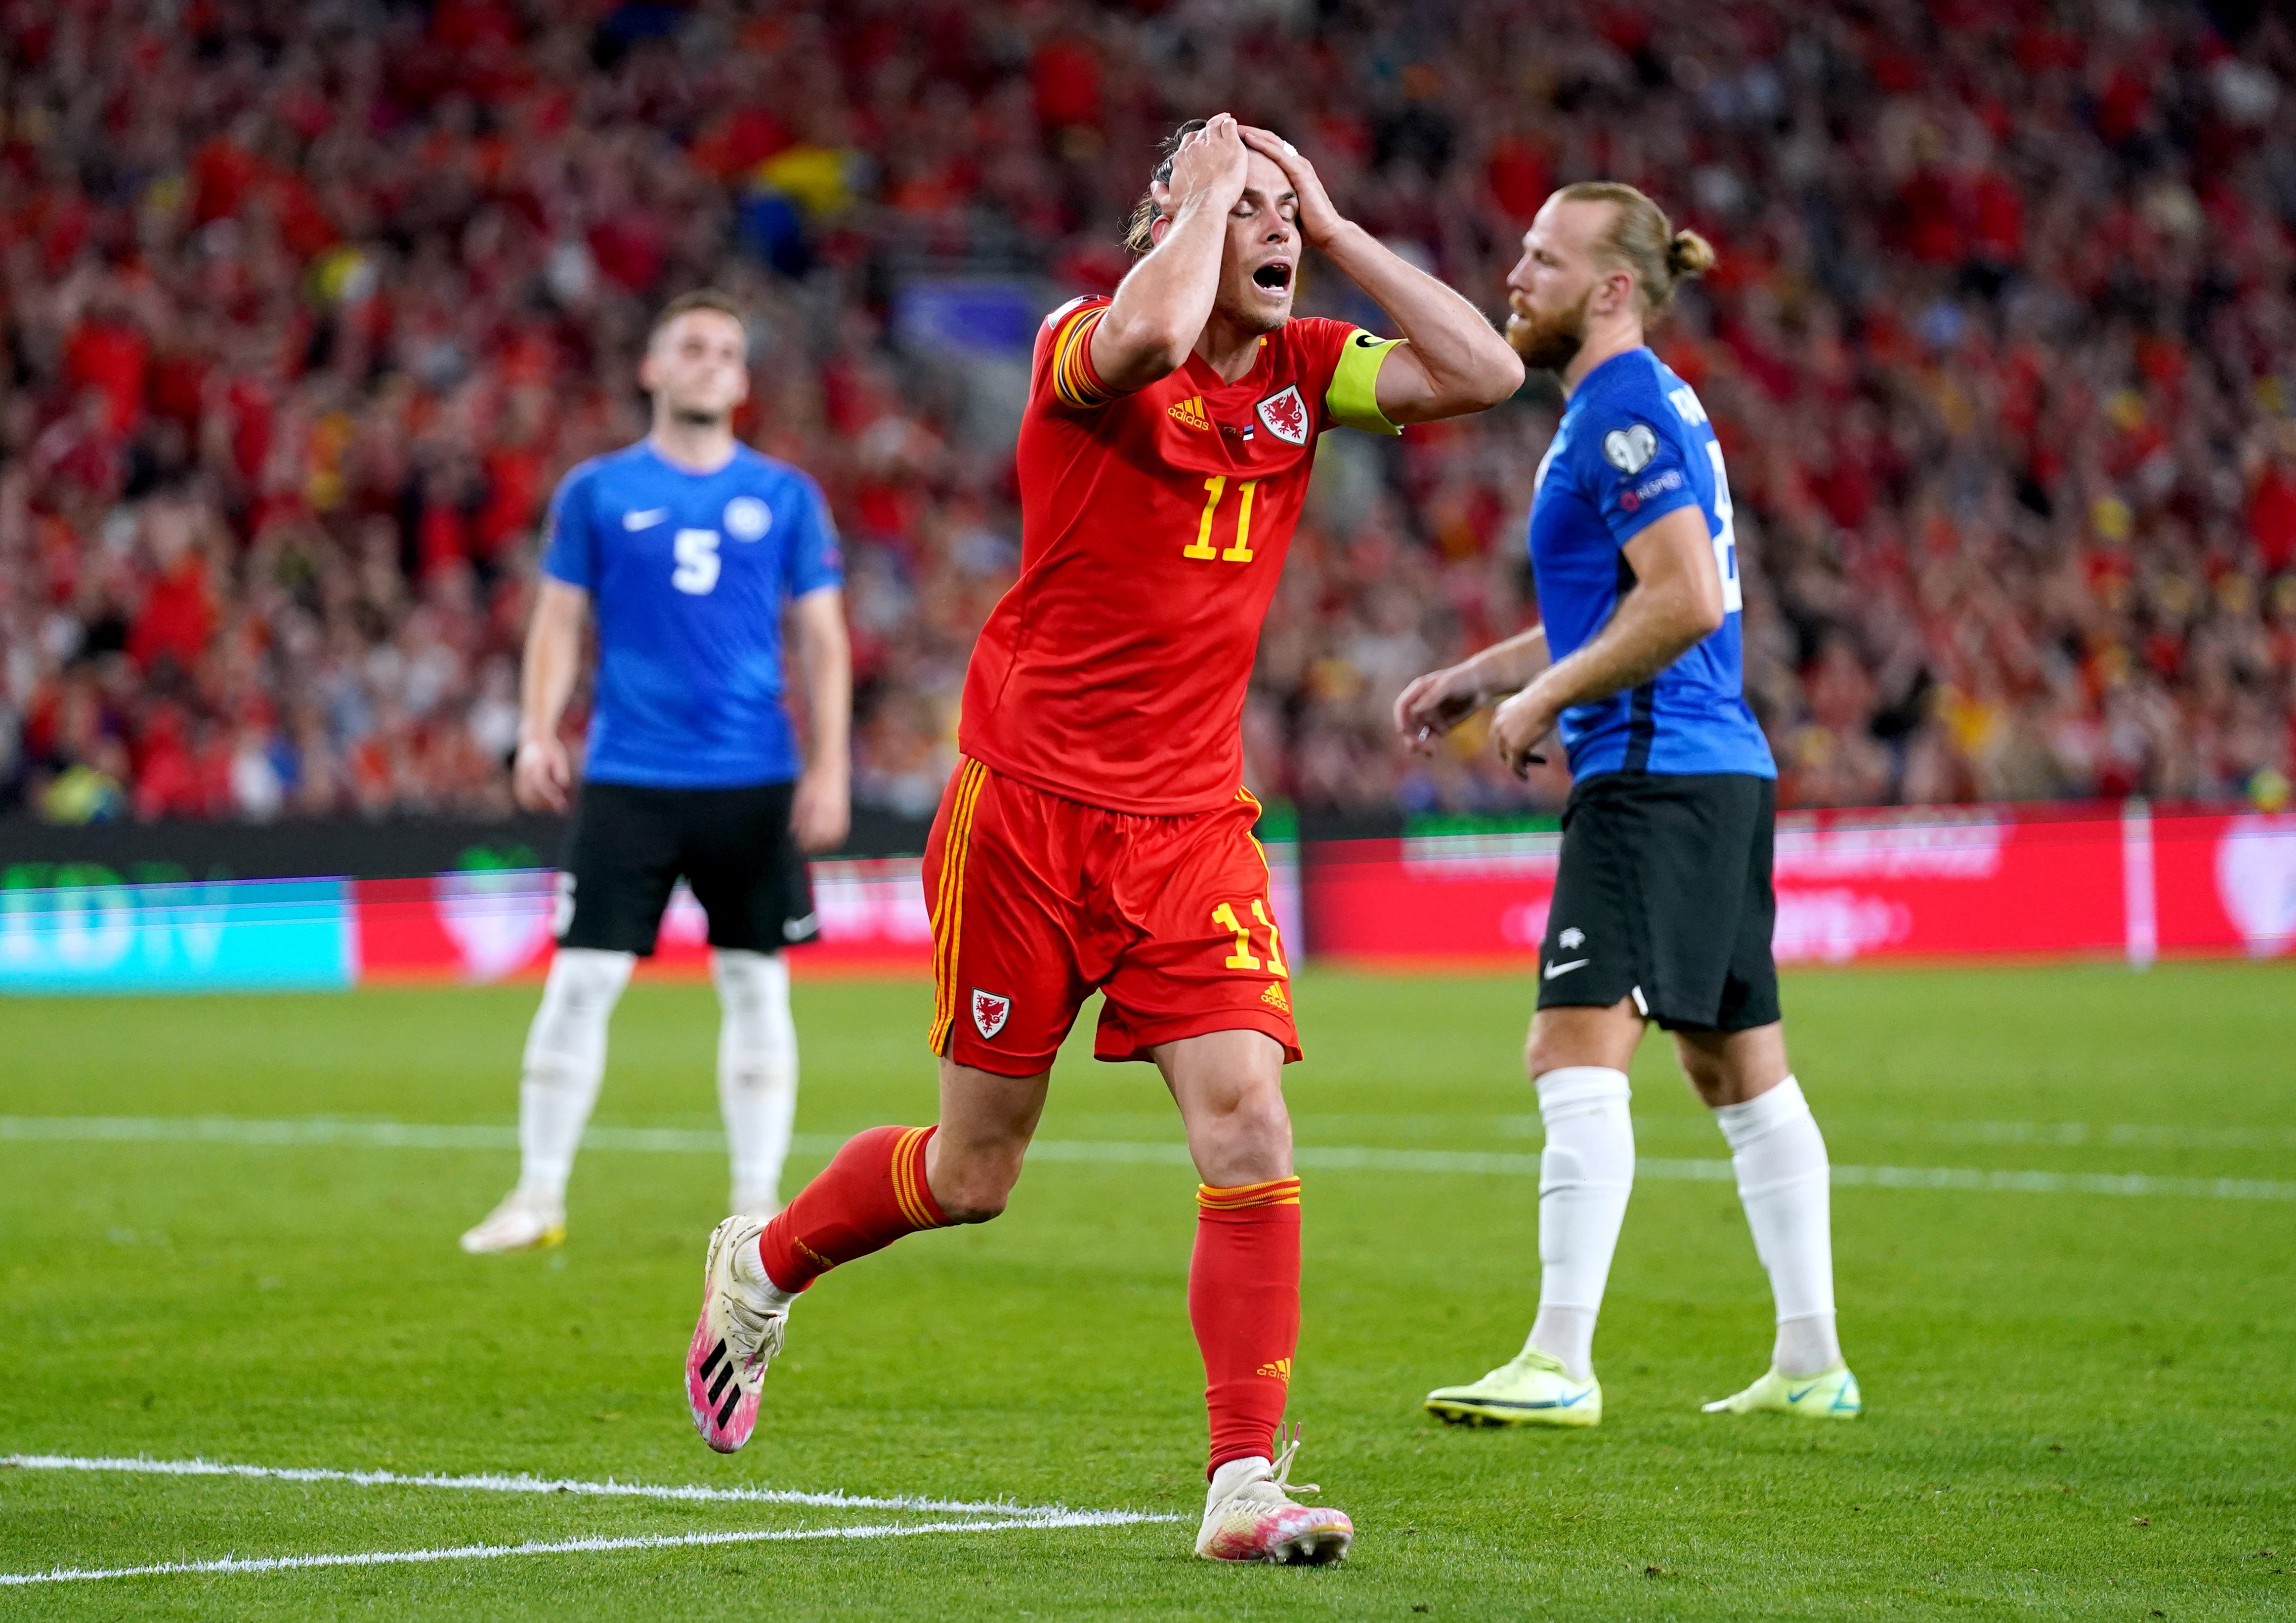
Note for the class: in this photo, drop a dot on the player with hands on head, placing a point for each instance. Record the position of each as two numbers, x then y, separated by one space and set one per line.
1663 907
691 550
1097 835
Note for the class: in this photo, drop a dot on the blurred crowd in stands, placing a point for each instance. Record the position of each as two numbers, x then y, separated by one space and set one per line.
306 306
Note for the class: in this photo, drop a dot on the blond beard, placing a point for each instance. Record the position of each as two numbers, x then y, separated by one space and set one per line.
1548 343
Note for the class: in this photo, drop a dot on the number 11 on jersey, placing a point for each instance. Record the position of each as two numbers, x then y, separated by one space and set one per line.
1201 547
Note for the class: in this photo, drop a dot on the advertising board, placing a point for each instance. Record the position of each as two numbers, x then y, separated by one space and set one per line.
1964 882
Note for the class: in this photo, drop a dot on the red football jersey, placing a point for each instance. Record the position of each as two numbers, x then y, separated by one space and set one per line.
1153 527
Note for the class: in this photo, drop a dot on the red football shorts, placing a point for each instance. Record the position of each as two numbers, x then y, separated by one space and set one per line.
1038 901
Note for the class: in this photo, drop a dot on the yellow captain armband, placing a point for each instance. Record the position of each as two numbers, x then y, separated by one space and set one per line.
1353 397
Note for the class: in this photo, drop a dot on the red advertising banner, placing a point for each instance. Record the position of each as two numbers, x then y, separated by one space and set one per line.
2225 882
493 925
2054 881
1928 882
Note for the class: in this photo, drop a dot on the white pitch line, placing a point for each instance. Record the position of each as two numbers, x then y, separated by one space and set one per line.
1318 1158
2119 1135
499 1483
564 1546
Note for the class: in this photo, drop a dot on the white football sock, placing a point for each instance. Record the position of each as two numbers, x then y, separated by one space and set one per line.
749 1267
756 1071
565 1057
1585 1175
1783 1183
1226 1479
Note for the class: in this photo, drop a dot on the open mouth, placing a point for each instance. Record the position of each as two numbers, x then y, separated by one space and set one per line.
1275 276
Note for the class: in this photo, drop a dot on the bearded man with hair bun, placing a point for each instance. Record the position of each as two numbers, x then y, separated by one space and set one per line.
1663 907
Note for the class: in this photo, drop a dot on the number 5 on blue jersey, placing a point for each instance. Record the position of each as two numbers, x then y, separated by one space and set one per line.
696 552
689 576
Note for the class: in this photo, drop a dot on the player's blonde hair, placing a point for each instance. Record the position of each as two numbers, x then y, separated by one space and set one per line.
1641 238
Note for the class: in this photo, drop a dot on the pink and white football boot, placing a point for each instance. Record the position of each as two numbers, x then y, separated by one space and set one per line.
1257 1520
738 1334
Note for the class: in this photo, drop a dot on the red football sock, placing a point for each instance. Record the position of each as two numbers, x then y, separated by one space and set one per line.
1243 1298
869 1195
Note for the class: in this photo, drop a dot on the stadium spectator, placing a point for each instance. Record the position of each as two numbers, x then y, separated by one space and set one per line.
2000 346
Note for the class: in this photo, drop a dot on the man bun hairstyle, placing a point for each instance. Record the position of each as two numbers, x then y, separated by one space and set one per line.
1688 255
700 299
1641 238
1139 231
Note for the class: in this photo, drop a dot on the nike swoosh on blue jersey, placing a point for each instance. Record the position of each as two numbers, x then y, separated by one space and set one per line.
645 521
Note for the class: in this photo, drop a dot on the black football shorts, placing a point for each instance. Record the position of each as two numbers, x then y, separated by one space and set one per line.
1664 897
630 845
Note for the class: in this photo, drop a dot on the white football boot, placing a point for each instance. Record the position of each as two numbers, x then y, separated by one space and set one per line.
739 1332
521 1223
1257 1520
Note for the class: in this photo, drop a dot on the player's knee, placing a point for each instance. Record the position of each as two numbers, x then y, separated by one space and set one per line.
578 999
1700 1070
582 979
974 1203
1264 1124
974 1188
1249 1141
1543 1052
750 985
1733 1068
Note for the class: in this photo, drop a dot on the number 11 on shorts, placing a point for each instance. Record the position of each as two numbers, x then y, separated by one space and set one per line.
1242 958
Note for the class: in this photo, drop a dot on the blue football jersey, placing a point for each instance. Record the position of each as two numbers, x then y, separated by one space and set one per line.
688 574
1634 445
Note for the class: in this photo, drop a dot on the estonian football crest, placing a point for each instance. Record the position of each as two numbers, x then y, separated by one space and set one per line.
990 1012
1286 415
746 518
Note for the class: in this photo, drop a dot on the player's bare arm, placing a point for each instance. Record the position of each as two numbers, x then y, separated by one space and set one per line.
822 809
542 778
1164 304
1439 701
1676 604
1451 361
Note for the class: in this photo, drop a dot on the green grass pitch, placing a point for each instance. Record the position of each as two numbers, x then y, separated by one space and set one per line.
2079 1403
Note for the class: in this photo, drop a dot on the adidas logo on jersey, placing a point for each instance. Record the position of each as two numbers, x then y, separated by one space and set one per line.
1190 413
1279 1369
1273 998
